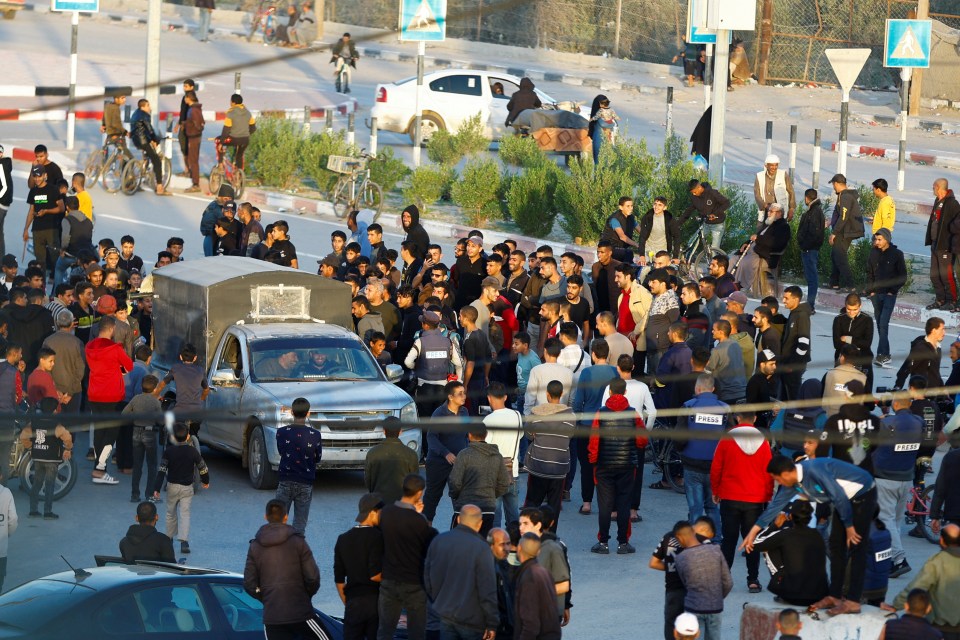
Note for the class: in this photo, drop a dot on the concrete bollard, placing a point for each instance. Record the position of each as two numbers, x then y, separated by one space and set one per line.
373 136
306 121
793 150
351 129
769 137
815 182
236 82
669 111
329 128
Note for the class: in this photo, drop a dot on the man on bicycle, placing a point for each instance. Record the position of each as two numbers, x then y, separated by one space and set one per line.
344 48
238 124
711 206
145 138
112 122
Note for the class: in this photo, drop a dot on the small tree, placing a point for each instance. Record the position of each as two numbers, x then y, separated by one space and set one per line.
272 154
450 148
316 149
477 189
589 194
427 185
521 151
530 200
387 170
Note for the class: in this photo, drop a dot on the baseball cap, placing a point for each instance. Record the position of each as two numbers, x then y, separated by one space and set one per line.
430 316
490 281
766 355
737 296
9 261
330 261
772 159
107 304
225 191
477 240
369 502
686 624
838 177
231 205
38 171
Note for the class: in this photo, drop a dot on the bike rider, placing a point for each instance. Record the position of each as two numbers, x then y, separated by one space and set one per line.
145 138
344 56
112 122
711 206
238 124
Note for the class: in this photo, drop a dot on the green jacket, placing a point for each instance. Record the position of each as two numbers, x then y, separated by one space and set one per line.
940 576
387 464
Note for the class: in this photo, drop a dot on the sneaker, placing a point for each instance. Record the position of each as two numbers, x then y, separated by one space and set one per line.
153 499
135 499
91 455
601 547
886 360
193 189
34 514
624 548
106 478
184 546
899 569
52 516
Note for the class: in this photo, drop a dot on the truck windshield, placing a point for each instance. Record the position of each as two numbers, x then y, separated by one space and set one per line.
304 359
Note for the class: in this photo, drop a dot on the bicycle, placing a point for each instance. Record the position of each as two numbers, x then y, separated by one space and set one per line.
342 73
918 506
106 156
354 189
265 19
226 171
21 466
138 172
696 257
663 453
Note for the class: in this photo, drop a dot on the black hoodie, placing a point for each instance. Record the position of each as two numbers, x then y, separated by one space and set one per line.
923 360
28 327
810 231
416 233
282 573
144 542
525 98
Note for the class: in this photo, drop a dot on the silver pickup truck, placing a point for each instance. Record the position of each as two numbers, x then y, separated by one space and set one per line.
266 336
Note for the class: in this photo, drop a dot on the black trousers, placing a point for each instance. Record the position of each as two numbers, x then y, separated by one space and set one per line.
737 519
540 490
104 437
840 275
428 397
791 377
307 630
438 472
394 598
863 510
942 276
613 494
672 608
637 492
361 617
587 483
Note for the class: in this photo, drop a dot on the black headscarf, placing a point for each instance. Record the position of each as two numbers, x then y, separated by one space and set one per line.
593 111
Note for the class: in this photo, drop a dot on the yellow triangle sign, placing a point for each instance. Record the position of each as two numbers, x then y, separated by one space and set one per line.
424 20
908 48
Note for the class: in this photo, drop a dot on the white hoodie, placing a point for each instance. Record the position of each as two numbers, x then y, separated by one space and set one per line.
8 518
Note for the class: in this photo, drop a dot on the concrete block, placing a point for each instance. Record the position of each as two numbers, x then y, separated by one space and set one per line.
758 622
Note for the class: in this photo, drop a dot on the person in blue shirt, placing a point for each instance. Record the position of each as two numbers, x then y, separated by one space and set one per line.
703 413
853 494
443 444
300 448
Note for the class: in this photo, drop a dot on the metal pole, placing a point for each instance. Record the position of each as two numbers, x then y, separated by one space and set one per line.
306 121
236 82
904 109
707 76
152 76
71 115
769 137
669 111
815 181
793 150
842 148
616 30
168 139
373 136
351 130
421 51
718 122
329 128
923 13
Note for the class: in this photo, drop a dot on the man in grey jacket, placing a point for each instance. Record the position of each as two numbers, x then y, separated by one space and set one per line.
478 477
549 426
726 365
71 364
705 576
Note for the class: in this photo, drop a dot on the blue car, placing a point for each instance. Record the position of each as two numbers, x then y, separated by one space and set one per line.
145 600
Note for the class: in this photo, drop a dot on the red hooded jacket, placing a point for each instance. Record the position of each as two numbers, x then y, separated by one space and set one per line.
107 361
739 468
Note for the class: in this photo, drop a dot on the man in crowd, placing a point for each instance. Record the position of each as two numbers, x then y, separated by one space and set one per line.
773 185
886 275
941 231
847 226
358 570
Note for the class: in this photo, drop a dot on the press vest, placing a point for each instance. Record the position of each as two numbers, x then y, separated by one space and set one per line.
46 446
779 190
433 362
800 421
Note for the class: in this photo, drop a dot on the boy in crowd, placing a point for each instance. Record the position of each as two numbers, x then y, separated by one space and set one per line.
177 465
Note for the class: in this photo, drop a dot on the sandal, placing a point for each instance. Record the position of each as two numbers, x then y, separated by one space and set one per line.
584 512
754 587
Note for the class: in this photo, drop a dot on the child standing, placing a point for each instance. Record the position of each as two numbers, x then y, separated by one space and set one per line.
177 466
192 392
145 431
51 444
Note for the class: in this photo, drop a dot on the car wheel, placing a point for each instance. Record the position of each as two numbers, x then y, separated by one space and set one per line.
262 476
429 125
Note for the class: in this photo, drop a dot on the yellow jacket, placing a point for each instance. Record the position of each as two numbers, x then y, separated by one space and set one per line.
886 214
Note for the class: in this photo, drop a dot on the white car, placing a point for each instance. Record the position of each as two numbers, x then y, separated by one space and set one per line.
449 98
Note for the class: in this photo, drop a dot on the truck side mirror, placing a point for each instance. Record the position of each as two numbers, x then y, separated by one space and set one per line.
225 378
394 373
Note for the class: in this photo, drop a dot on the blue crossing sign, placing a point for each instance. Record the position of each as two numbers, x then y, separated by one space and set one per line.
907 43
85 6
423 20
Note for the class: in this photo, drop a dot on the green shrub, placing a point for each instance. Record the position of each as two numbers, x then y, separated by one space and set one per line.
868 200
588 195
272 156
387 170
741 220
448 148
316 149
522 151
477 191
427 185
529 197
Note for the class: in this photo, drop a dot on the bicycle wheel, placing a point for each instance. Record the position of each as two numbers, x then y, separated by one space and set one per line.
113 172
131 177
238 182
93 166
371 197
341 197
923 519
167 171
670 459
216 179
701 262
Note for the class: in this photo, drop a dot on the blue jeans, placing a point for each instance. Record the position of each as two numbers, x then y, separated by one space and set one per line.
810 258
300 494
203 28
883 305
713 234
64 263
709 625
696 486
44 476
144 448
508 506
207 246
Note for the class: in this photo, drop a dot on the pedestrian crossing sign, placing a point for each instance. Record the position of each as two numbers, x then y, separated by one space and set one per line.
423 20
907 43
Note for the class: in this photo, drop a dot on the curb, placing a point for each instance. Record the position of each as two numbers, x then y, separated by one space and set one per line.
890 153
948 128
344 108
